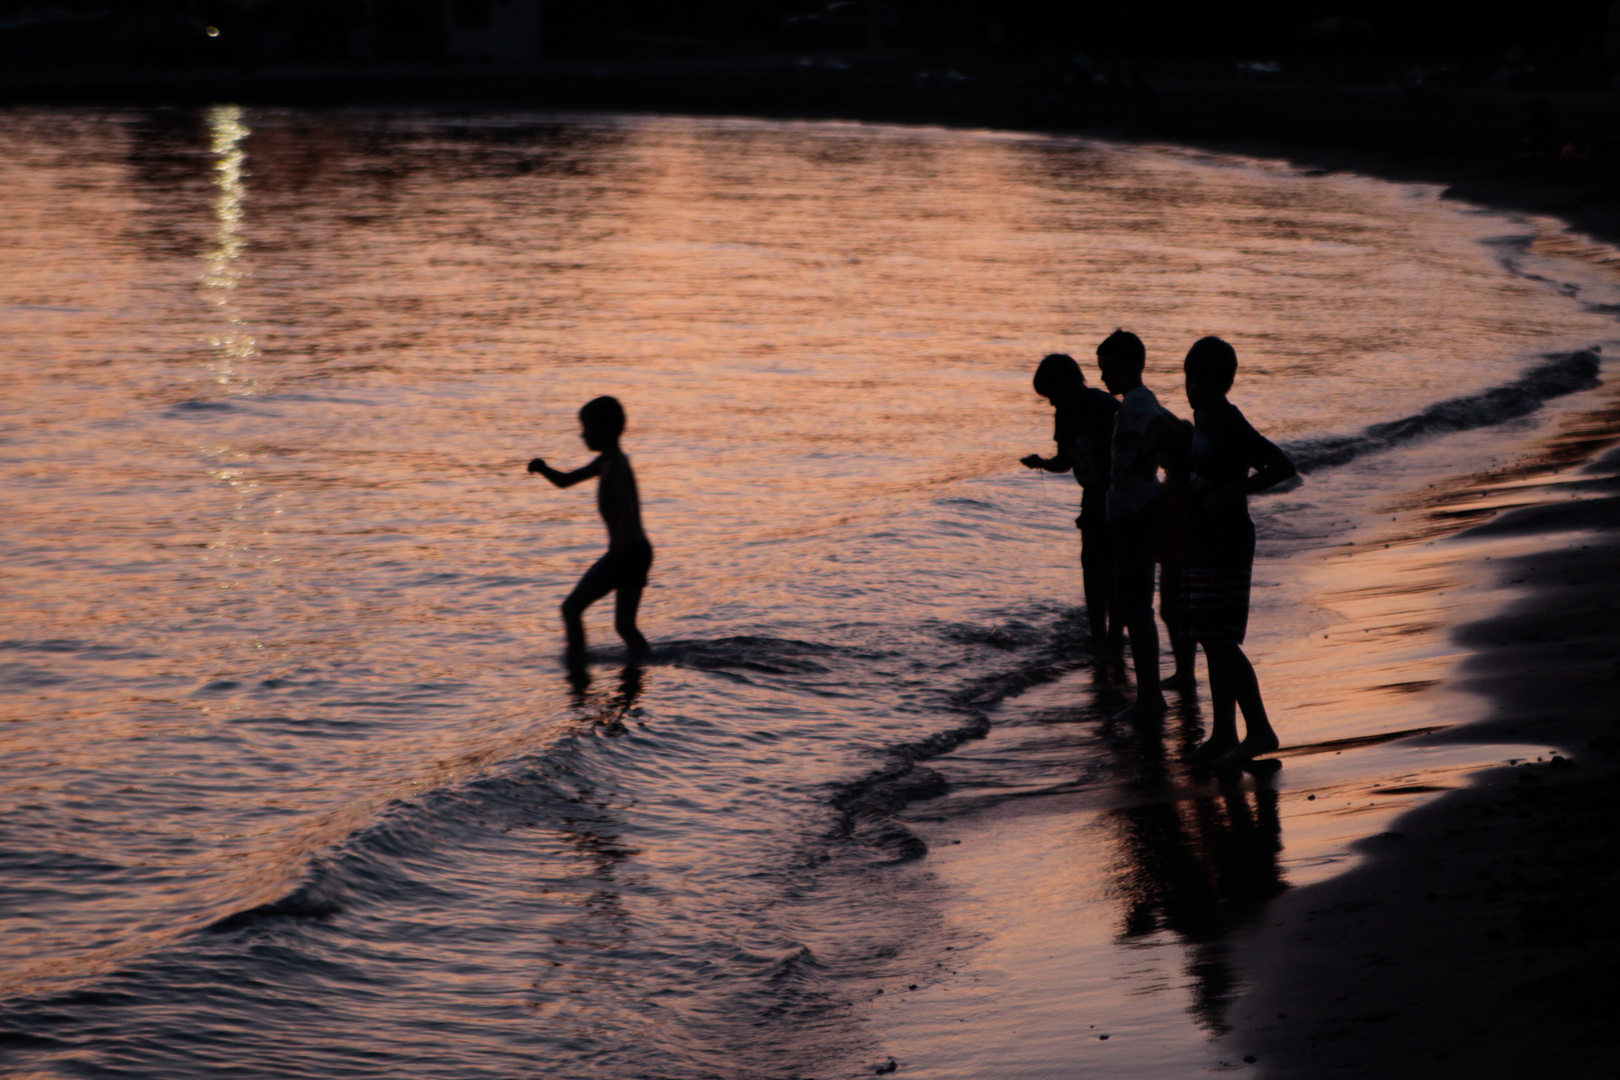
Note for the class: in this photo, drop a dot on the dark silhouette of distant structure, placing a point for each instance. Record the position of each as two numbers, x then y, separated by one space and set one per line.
1545 41
844 24
184 33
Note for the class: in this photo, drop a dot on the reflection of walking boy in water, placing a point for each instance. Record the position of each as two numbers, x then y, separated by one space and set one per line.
629 556
1137 513
1083 424
1220 548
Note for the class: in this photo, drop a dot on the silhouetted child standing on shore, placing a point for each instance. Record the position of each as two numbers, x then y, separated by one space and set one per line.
1176 459
1083 424
1137 512
1219 551
623 570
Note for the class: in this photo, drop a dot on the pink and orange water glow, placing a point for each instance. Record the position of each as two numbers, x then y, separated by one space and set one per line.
291 781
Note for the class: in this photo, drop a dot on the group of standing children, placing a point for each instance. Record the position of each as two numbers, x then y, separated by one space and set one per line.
1194 525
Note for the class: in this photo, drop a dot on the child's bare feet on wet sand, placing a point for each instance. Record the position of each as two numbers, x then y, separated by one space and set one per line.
1144 708
1213 749
1253 746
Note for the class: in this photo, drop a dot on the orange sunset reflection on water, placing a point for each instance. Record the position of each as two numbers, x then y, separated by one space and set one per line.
285 733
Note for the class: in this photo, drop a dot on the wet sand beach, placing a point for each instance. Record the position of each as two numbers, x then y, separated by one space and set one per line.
1478 937
1471 935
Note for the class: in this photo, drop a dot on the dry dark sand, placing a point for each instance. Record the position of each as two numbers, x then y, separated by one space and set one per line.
1480 937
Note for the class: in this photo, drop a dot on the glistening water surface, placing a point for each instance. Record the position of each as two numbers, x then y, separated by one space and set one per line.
291 782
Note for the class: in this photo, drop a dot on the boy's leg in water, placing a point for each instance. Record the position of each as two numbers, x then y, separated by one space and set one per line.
1097 570
597 583
632 579
625 604
1244 687
1136 541
1097 576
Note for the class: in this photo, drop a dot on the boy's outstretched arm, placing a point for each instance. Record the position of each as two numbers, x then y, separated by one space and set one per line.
568 479
1059 462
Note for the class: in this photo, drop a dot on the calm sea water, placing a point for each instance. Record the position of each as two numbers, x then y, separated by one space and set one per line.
291 782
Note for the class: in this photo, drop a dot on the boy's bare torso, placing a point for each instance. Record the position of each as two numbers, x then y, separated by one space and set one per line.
618 501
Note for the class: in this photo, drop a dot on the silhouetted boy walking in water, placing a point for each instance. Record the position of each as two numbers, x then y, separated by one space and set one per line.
629 556
1137 514
1220 548
1083 425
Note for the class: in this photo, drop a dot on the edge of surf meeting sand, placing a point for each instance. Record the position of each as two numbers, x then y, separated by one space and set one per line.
1478 937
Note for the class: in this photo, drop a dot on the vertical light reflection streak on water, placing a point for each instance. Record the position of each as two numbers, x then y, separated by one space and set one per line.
291 783
225 273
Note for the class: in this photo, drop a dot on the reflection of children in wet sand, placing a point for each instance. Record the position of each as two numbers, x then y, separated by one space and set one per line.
1083 423
1201 868
629 556
1220 548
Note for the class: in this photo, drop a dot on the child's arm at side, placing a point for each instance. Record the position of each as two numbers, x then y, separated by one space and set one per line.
1271 467
1175 452
568 479
1165 430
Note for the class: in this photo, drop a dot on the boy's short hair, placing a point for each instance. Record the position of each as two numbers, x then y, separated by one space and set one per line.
1057 371
1213 359
604 414
1126 347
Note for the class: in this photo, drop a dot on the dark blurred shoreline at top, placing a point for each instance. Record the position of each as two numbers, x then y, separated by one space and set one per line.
1509 108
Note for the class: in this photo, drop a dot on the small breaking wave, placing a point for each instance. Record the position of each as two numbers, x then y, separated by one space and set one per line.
867 807
309 901
1561 374
770 655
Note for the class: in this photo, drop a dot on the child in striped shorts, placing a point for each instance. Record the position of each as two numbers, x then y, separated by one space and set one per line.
1219 549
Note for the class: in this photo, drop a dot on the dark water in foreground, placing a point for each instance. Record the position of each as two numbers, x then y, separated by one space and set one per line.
290 781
